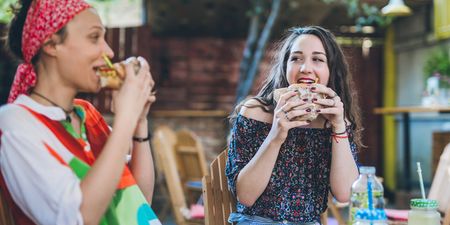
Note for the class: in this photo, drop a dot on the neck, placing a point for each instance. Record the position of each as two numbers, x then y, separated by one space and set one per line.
53 98
50 85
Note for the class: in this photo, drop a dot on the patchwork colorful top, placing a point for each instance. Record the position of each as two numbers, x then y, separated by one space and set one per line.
42 162
300 182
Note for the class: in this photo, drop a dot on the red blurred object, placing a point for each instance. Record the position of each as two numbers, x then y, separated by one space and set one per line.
397 215
197 211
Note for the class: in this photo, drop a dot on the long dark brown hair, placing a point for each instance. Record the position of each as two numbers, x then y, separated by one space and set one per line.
340 78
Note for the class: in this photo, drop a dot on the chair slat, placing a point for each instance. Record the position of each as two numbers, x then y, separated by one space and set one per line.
207 199
218 206
224 187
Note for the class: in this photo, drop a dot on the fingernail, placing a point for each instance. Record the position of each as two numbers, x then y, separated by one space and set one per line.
308 110
314 99
318 110
308 121
305 99
313 88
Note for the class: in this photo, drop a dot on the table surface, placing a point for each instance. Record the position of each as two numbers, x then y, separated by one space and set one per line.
411 109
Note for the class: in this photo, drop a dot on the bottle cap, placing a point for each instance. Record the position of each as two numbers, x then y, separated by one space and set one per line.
367 170
424 203
371 215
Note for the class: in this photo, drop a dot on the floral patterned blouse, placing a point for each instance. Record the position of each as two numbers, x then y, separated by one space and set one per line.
300 182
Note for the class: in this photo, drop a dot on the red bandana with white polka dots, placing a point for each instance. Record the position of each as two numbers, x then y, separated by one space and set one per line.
44 18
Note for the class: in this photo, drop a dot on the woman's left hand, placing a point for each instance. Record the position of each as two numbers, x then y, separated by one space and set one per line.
333 109
145 68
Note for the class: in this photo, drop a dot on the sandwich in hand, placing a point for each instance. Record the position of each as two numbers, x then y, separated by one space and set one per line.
112 75
303 90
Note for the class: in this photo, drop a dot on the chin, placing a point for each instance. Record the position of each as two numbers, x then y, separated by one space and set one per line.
92 89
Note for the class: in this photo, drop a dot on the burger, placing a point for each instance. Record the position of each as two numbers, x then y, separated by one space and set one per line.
112 75
112 78
303 90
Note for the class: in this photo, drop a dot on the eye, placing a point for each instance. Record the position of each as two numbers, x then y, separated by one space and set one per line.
318 60
94 37
295 58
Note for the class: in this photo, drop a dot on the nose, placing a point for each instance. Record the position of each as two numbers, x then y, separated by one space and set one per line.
306 67
108 51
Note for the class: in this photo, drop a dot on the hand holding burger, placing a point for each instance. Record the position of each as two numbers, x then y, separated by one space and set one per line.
303 90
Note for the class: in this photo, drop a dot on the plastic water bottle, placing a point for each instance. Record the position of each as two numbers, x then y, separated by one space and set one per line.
359 196
370 217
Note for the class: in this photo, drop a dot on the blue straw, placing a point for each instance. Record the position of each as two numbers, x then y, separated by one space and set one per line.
369 193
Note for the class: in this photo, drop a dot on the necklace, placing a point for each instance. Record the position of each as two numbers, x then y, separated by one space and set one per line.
67 112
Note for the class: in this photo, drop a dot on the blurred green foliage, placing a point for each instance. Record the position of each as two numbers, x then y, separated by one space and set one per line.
5 10
364 14
438 64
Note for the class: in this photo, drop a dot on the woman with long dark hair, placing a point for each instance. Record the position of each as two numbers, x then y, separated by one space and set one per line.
280 167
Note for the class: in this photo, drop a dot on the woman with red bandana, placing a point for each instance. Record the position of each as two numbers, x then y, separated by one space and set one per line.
60 163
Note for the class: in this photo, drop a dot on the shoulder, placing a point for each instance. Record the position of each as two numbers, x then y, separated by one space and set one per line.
254 109
12 115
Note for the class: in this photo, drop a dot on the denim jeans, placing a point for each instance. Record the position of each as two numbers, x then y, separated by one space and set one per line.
243 219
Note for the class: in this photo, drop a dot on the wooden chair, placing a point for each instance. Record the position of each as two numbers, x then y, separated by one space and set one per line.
6 217
191 163
163 142
219 202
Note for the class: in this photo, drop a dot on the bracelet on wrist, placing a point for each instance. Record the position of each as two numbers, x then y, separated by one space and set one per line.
141 139
340 133
336 137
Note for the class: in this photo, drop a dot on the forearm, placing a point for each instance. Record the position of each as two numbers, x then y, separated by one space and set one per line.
343 169
255 176
141 163
101 181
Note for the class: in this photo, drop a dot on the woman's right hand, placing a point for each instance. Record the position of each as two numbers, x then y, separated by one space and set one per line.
288 107
133 96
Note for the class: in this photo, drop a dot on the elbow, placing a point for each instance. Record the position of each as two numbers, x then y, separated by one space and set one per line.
87 221
246 201
343 196
90 218
245 198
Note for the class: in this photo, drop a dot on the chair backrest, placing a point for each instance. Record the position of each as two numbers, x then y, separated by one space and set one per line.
190 156
219 202
163 143
6 217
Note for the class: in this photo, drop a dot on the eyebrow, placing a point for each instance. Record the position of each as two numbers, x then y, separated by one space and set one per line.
314 53
98 27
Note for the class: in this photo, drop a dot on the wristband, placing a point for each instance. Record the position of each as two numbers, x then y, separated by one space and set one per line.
141 139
